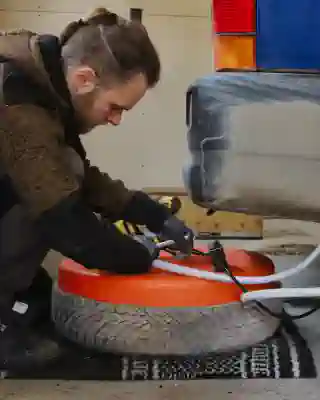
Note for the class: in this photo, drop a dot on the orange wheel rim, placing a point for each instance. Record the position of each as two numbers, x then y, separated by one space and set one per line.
164 289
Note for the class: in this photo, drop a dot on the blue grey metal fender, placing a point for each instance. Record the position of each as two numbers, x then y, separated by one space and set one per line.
254 141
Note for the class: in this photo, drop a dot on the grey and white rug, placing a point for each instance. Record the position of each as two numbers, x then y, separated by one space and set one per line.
286 355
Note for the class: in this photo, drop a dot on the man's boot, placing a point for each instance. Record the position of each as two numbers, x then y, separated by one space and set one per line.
20 347
38 299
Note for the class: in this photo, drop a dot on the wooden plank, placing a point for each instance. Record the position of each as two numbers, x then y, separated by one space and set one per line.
197 218
72 6
165 191
200 8
35 21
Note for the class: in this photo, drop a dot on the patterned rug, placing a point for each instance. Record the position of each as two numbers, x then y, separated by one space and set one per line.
285 355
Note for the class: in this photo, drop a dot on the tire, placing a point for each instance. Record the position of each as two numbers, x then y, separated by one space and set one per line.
127 329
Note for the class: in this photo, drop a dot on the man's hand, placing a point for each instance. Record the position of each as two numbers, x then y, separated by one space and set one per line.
148 244
143 210
175 229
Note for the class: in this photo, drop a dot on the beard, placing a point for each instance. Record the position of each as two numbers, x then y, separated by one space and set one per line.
83 105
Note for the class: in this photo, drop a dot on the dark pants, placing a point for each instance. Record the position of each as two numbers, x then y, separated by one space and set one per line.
21 253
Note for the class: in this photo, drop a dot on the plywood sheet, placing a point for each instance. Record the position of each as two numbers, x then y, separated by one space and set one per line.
196 217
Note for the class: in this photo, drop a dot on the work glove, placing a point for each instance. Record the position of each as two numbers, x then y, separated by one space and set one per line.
149 244
175 229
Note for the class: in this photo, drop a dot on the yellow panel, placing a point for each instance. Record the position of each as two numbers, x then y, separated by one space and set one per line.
234 52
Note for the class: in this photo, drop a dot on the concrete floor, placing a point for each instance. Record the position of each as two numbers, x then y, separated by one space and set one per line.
204 390
214 389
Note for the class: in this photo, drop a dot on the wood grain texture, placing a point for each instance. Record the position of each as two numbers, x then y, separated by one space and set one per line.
220 222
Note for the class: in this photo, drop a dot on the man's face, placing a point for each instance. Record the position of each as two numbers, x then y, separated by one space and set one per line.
97 105
109 104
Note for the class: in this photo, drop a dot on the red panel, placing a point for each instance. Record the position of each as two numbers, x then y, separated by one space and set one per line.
234 16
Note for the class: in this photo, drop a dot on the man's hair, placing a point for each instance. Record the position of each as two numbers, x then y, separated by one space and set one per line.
116 49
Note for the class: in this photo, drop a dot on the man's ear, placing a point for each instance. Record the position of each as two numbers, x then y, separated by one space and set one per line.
84 80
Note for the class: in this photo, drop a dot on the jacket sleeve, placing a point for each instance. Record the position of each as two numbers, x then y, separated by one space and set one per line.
114 201
31 153
105 195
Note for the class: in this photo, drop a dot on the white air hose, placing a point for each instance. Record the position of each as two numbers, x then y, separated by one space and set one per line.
292 293
249 280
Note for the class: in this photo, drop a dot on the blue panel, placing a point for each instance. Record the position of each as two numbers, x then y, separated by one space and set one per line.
288 34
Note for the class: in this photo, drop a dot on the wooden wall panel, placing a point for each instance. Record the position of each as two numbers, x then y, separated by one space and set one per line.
224 223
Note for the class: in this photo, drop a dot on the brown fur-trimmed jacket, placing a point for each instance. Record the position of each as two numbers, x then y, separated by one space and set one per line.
40 153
